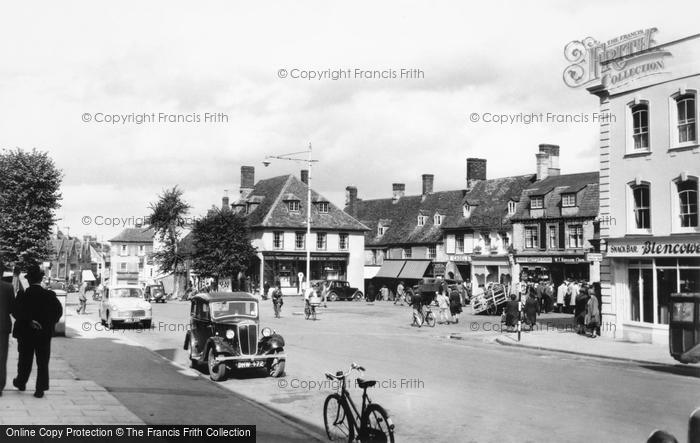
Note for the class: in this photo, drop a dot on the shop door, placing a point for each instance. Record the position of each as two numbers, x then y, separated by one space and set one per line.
641 284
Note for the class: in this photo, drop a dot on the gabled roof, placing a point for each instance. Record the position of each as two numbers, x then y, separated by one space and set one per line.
403 214
135 235
489 203
584 185
272 211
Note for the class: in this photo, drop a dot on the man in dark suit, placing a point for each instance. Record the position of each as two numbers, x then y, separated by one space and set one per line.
7 301
37 311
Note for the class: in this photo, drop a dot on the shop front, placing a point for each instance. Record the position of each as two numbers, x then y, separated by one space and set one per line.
556 268
458 267
491 269
644 274
289 268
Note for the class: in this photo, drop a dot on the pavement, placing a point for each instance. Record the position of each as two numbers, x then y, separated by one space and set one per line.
566 340
69 400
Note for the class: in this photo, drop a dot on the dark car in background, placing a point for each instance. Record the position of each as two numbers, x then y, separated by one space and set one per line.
341 290
154 293
225 334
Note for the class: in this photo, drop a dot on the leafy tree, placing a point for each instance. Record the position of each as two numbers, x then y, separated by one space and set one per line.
222 246
29 196
168 218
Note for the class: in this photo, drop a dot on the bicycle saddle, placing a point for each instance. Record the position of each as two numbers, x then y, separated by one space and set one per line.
364 384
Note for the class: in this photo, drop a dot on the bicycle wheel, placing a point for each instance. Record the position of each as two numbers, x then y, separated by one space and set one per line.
336 417
307 312
376 425
313 313
430 319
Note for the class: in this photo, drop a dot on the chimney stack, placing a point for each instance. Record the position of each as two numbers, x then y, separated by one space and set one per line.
225 206
351 200
428 180
543 162
247 180
476 171
399 189
305 176
553 152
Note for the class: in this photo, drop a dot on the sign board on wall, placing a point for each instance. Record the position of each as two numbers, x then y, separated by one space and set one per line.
655 247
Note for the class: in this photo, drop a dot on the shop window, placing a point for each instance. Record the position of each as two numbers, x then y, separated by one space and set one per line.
688 203
641 208
666 284
407 252
568 200
321 241
431 252
640 127
641 295
343 241
459 243
575 236
278 240
531 237
300 240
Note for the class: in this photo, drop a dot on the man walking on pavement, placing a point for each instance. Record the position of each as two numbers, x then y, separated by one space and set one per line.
7 301
36 313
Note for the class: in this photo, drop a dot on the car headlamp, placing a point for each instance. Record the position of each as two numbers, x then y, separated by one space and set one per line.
266 332
230 334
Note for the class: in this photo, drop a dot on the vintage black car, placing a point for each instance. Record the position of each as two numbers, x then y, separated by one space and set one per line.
341 290
224 328
154 293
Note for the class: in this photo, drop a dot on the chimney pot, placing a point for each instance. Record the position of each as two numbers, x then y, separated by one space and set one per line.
542 165
553 152
247 180
351 200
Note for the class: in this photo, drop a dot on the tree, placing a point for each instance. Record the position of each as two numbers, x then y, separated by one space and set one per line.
222 246
29 196
168 218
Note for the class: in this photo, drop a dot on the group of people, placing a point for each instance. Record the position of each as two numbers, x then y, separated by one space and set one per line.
573 296
36 311
448 300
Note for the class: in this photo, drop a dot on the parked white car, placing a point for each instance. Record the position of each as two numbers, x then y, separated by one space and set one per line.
124 305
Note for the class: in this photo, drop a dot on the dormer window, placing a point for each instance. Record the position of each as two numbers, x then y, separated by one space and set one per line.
323 207
467 210
437 219
421 220
381 230
568 200
250 207
511 207
294 205
537 202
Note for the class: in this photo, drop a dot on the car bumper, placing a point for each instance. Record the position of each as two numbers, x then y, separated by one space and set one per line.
239 361
131 319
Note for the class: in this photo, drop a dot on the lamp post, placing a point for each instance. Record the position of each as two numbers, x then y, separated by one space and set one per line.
309 161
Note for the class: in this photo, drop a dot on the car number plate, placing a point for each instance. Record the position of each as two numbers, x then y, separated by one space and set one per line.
250 364
130 320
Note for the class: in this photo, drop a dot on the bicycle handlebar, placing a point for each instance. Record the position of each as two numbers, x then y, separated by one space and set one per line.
340 374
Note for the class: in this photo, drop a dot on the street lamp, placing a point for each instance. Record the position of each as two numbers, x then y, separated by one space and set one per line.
309 161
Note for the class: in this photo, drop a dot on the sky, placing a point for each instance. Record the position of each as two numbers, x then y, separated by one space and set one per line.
67 67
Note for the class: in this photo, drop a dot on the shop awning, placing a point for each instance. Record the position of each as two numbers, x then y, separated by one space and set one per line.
371 271
391 268
88 275
414 269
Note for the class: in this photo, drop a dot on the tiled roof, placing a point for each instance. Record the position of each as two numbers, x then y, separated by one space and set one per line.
584 185
135 235
489 199
402 217
272 211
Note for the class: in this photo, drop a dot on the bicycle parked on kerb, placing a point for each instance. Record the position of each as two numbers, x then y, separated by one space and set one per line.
345 423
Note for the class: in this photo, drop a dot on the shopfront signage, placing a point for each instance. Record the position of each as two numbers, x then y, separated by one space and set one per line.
460 258
569 260
654 248
533 259
594 256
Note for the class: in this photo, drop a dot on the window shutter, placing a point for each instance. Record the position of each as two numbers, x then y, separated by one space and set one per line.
450 244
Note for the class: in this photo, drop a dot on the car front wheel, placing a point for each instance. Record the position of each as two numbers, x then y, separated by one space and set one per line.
358 296
217 371
332 296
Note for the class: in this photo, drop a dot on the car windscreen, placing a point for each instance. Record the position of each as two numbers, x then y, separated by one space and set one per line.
157 290
125 292
233 308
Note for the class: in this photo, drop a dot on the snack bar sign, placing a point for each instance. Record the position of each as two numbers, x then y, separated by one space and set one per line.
655 248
